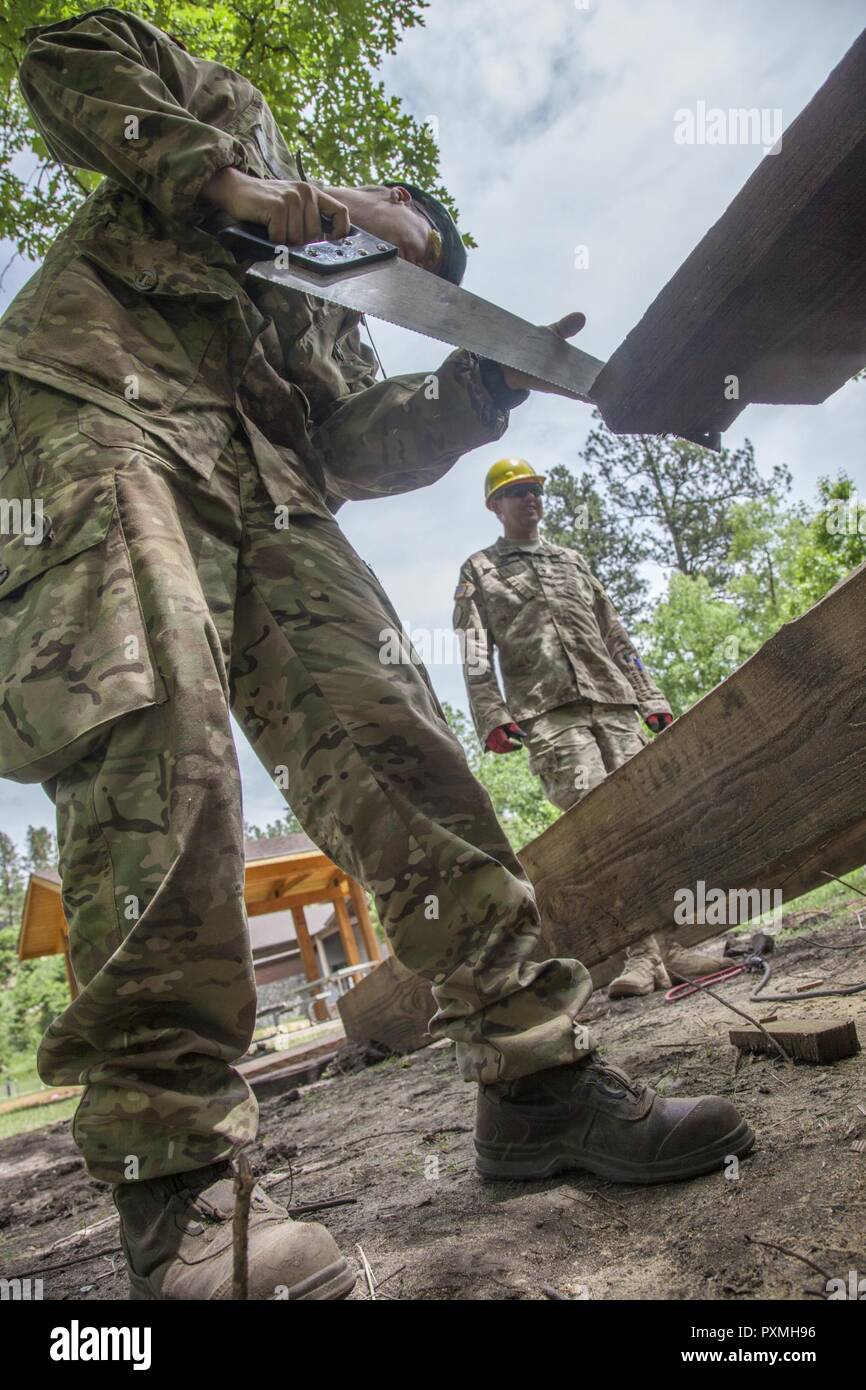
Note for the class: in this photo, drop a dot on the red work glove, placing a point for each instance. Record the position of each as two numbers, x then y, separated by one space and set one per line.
500 740
657 722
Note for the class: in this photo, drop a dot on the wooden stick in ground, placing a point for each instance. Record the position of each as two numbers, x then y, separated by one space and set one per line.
794 1254
368 1273
845 883
244 1182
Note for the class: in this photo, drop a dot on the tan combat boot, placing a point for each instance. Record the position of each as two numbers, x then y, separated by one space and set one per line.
692 965
591 1115
643 971
176 1234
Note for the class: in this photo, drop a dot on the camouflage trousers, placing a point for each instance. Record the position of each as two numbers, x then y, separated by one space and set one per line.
573 748
157 602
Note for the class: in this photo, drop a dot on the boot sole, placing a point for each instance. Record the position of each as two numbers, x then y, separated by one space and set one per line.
334 1281
527 1162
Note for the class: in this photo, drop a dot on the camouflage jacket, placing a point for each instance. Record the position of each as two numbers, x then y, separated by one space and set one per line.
559 637
138 308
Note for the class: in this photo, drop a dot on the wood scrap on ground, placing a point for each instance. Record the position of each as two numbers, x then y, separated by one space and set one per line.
803 1039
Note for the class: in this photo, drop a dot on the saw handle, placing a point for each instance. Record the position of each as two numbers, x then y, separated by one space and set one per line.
247 242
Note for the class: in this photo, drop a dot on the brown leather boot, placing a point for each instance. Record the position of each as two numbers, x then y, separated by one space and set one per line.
591 1115
693 965
642 972
176 1233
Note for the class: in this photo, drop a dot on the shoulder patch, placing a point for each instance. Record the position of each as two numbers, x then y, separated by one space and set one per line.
464 590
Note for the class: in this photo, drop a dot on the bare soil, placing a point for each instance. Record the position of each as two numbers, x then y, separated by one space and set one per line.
396 1138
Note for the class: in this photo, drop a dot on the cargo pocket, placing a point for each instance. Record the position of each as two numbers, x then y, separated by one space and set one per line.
74 653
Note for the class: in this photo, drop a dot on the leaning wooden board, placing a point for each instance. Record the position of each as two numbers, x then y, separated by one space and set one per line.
762 784
772 301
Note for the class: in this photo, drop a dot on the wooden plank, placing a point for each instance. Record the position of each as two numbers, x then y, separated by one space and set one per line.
804 1039
309 957
774 294
389 1006
298 1069
762 784
324 894
347 932
362 912
283 1059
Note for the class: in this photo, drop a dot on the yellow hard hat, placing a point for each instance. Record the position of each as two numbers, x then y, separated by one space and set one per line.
505 471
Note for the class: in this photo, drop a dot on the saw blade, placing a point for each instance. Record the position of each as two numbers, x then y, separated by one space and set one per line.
416 299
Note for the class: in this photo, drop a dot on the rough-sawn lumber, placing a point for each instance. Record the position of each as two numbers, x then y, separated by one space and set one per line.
774 295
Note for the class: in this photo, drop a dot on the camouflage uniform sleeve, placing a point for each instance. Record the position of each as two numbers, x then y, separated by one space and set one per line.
623 653
470 618
107 92
392 436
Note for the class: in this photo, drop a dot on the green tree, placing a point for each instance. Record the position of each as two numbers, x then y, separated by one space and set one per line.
11 900
287 824
40 849
31 992
834 542
518 800
781 559
576 515
314 60
693 640
11 883
678 496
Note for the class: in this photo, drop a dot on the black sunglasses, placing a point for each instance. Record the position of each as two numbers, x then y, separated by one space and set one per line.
521 490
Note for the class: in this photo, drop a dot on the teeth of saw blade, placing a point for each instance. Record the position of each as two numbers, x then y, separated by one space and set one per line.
581 365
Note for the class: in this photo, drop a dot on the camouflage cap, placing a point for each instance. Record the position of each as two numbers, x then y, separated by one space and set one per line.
453 263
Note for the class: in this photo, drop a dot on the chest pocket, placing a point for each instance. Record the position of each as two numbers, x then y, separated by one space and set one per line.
154 325
566 580
516 580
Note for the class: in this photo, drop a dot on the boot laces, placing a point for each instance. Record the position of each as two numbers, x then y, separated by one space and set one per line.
621 1078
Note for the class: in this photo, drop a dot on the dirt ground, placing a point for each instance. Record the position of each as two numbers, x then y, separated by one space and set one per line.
396 1138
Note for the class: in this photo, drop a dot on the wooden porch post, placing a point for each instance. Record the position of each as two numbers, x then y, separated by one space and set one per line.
362 912
347 935
309 957
70 976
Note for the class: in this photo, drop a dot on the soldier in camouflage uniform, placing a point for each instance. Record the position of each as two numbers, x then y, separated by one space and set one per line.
187 438
574 682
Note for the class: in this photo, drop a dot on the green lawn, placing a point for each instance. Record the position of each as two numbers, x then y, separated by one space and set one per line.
36 1116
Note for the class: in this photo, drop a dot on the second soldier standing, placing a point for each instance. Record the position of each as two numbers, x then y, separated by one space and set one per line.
575 686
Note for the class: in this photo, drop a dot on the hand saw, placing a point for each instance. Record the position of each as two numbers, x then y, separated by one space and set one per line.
365 273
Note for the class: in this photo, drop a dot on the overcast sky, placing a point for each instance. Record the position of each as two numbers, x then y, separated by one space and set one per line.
556 125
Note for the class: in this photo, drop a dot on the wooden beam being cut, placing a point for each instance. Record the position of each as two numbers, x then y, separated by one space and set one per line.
771 304
760 785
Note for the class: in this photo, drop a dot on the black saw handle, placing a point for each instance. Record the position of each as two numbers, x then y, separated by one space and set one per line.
247 241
